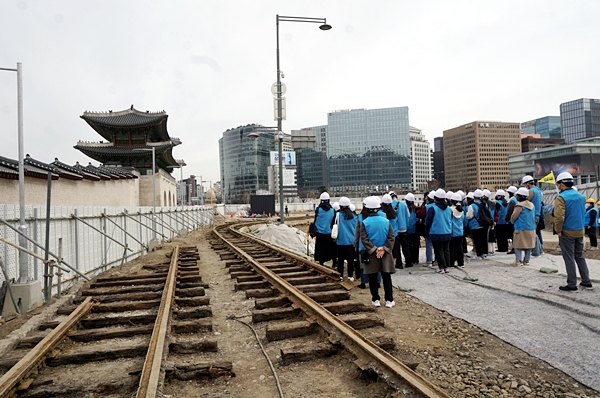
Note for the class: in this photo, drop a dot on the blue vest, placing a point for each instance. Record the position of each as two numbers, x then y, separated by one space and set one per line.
392 222
402 216
412 223
597 223
346 230
359 219
473 223
574 210
458 225
537 200
526 220
323 221
503 208
586 217
377 229
442 222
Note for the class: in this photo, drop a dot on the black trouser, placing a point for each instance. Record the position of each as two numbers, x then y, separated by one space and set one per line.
414 241
441 250
591 233
387 286
479 236
401 242
345 252
502 236
456 253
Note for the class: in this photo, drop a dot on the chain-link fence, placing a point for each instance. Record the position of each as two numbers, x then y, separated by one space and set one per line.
93 239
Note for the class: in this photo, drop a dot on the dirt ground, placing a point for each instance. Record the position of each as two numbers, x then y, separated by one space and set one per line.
462 359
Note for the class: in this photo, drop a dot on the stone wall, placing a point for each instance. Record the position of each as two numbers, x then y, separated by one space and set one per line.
166 189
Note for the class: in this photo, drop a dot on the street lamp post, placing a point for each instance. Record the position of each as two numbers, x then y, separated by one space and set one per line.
23 265
323 26
153 149
254 136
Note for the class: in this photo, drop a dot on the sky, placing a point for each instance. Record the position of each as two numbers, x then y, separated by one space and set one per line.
210 65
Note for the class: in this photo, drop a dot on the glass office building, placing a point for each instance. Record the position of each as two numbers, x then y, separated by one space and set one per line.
546 127
580 119
244 162
368 151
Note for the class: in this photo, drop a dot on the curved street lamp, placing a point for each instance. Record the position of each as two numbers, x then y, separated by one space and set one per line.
323 26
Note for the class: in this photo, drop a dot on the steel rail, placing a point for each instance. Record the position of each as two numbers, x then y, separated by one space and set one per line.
150 377
388 367
10 379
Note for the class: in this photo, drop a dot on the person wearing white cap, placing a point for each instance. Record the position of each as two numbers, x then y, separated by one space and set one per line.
346 221
502 227
438 227
430 201
377 236
478 225
569 215
523 219
535 197
325 248
491 237
390 213
401 242
512 201
459 220
360 251
414 240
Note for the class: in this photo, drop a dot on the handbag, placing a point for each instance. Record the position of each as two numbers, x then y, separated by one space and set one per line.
364 257
312 230
334 228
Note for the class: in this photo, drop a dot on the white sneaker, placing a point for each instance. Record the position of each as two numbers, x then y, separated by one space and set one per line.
390 304
351 279
376 303
593 248
478 258
516 263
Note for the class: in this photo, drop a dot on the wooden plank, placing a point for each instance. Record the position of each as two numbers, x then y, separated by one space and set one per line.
270 302
193 347
362 321
260 293
192 301
194 313
190 292
347 307
306 353
108 333
329 297
192 326
271 314
288 330
199 370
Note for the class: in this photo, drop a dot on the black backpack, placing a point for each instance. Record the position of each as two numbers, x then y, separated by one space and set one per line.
485 217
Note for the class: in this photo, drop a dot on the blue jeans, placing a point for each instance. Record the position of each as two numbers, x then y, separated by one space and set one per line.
572 253
537 250
428 251
519 254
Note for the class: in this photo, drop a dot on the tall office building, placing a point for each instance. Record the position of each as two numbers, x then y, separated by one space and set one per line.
420 154
580 119
311 156
244 162
438 161
476 155
546 127
368 150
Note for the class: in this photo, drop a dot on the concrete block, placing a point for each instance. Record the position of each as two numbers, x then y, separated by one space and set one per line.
27 295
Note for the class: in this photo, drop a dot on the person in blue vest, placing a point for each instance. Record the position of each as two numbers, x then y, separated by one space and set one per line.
377 236
429 254
458 225
438 227
569 224
591 221
486 200
414 240
535 197
346 221
387 207
478 232
401 243
523 219
512 201
324 246
502 226
360 249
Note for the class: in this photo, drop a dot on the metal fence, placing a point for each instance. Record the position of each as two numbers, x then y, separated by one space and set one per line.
92 238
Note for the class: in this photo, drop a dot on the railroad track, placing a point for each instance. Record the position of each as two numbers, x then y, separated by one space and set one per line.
298 297
112 342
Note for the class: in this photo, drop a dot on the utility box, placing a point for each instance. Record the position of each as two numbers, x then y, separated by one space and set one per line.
262 204
27 296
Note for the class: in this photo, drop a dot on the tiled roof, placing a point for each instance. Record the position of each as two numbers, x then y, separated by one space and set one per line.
128 118
105 149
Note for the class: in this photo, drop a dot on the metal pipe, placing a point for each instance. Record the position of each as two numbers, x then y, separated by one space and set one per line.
279 132
105 241
47 277
35 238
12 297
173 218
27 251
141 223
162 226
191 220
76 228
40 246
23 261
97 230
59 273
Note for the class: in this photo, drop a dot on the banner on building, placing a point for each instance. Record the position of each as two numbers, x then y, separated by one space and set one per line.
289 158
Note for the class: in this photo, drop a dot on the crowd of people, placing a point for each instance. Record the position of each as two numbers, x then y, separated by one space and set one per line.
372 244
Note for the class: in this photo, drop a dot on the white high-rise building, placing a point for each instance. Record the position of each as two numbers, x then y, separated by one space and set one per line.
420 155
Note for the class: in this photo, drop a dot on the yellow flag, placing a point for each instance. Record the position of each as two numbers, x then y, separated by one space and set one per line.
549 179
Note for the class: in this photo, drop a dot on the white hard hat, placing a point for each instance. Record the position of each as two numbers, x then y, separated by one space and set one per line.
324 196
392 194
378 199
486 193
409 197
371 202
512 189
523 191
565 176
470 195
352 207
449 194
461 193
386 198
526 179
478 193
456 196
336 206
431 195
500 192
344 201
440 194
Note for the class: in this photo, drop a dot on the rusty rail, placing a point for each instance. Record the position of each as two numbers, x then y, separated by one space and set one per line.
398 375
10 379
150 377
